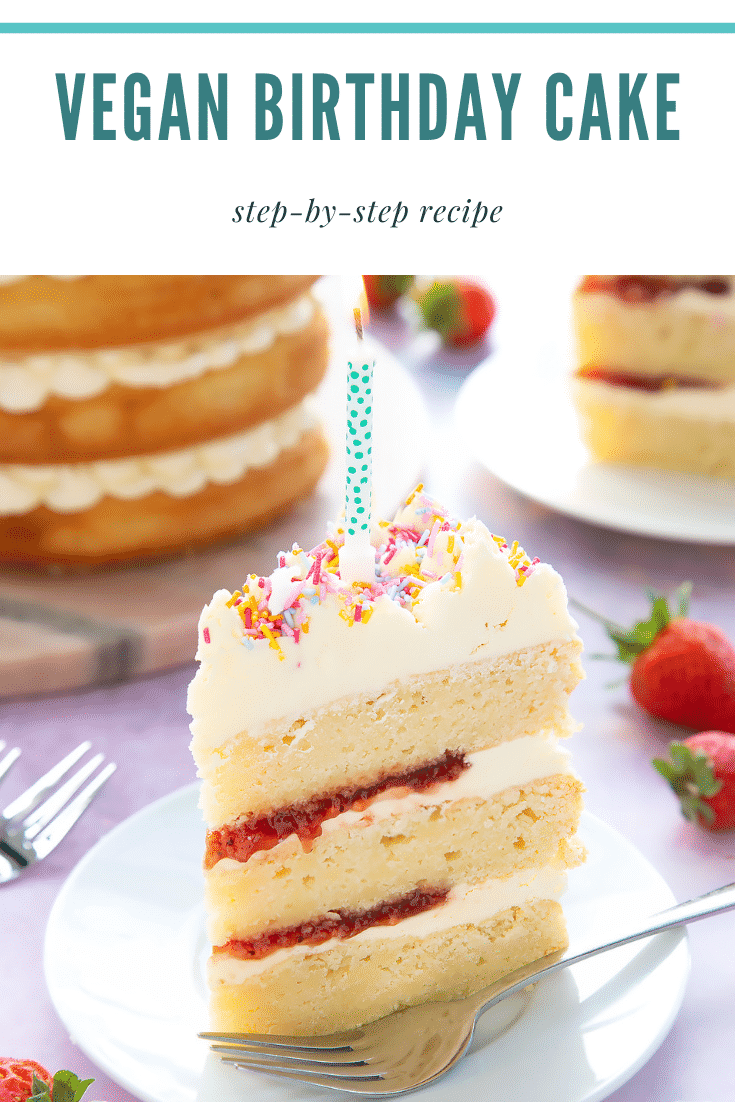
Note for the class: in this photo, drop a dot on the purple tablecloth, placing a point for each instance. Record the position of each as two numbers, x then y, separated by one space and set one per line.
143 726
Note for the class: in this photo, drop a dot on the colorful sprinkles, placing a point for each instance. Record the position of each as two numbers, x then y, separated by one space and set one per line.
425 542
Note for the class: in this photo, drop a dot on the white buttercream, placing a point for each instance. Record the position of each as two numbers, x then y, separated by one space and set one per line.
690 403
466 905
243 687
27 380
70 488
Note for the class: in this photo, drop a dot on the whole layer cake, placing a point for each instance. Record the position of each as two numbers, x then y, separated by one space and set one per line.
655 384
144 415
389 813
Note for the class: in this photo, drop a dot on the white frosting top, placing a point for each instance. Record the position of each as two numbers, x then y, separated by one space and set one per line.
465 904
27 380
72 487
691 403
445 593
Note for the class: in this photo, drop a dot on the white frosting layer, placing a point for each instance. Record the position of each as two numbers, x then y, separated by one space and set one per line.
242 687
465 905
70 488
27 381
715 405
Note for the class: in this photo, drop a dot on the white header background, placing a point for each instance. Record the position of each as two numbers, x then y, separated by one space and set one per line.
123 206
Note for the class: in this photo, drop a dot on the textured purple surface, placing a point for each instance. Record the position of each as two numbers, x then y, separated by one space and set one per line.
143 726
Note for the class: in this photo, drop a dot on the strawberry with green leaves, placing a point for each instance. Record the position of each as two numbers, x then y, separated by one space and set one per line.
681 670
701 771
27 1081
461 311
384 291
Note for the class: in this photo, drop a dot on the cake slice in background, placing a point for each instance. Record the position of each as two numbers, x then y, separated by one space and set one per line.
146 415
389 814
655 383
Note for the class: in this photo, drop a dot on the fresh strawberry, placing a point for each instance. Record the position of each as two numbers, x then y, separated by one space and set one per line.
17 1076
702 773
27 1081
459 310
383 291
682 670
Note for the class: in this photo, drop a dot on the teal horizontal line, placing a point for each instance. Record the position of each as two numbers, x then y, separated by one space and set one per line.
367 28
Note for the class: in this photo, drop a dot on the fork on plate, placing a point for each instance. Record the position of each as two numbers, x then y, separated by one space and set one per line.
36 821
416 1046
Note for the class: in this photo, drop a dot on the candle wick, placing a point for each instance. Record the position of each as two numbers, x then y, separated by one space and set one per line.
358 322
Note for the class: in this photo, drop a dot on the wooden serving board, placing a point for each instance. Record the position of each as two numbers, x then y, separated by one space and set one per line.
68 631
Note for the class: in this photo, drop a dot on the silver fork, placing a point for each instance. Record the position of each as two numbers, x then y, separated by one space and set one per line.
34 823
413 1047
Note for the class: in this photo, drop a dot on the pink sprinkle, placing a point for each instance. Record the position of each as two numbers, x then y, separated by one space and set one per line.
322 592
297 636
358 613
248 617
535 562
318 568
261 582
281 561
432 537
237 602
267 586
311 571
390 555
205 633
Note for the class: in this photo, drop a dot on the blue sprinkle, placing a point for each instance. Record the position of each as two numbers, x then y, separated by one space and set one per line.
247 641
424 538
288 617
315 599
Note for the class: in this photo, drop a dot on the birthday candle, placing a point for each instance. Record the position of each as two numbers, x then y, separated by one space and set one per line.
357 557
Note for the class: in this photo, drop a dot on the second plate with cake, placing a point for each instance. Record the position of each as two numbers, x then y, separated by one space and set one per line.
516 413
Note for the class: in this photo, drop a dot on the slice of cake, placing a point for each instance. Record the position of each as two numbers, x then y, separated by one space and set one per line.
655 384
389 813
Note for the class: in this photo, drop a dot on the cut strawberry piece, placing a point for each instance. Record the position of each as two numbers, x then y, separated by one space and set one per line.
461 311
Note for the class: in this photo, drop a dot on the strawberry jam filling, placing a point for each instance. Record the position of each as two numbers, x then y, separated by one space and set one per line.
305 819
341 924
646 288
650 383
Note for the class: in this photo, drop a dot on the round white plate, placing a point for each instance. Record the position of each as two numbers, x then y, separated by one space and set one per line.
516 412
125 951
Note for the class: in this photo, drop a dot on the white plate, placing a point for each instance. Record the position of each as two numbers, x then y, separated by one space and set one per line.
516 412
125 949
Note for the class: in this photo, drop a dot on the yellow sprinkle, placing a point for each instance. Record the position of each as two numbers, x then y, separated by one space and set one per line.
305 627
411 496
344 616
520 579
366 614
458 579
450 542
233 598
500 540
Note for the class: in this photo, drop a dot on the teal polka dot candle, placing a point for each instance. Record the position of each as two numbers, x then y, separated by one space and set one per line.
357 558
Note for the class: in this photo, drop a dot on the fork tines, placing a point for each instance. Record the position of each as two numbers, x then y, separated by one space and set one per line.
329 1061
36 821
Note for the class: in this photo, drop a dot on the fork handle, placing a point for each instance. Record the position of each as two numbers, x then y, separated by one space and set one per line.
715 902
